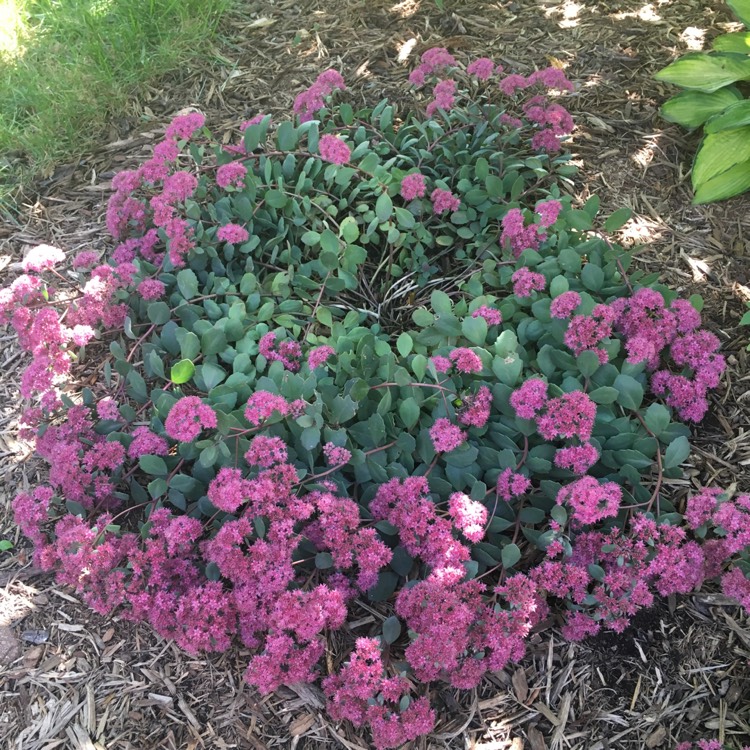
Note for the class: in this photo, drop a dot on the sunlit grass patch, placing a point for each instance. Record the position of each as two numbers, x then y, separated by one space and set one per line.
68 66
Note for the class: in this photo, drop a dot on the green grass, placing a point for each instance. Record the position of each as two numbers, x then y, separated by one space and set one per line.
67 67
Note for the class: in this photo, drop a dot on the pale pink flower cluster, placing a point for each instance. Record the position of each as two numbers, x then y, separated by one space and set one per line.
468 515
42 258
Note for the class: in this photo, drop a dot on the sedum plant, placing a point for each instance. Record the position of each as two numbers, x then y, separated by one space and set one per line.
712 99
370 355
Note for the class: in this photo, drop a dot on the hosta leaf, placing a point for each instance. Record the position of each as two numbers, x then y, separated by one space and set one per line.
741 9
734 181
719 152
737 41
734 116
692 108
702 71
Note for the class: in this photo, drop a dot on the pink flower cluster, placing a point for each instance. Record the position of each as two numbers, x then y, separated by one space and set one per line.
590 501
445 96
231 175
232 233
511 484
288 352
334 150
433 59
362 693
336 455
262 404
446 436
490 314
529 398
526 282
565 305
483 68
586 332
571 415
413 186
444 200
318 356
651 330
475 411
548 211
518 237
311 100
187 418
465 360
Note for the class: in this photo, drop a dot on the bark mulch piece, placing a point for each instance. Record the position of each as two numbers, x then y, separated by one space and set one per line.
681 671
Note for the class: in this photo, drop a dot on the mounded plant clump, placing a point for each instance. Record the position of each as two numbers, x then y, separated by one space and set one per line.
358 356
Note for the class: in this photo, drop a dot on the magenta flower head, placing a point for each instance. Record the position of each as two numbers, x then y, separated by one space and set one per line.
444 200
482 68
413 186
231 174
42 258
589 500
233 233
187 418
530 398
183 127
446 436
465 360
525 282
334 150
490 314
565 305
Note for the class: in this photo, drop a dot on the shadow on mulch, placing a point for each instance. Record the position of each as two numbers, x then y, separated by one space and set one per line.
681 670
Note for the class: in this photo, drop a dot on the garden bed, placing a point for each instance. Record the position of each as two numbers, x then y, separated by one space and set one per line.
120 683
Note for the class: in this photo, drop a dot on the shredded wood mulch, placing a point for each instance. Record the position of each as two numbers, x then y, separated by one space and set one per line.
72 679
